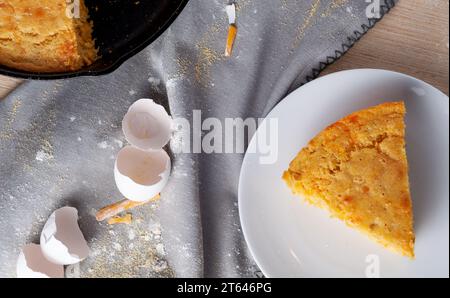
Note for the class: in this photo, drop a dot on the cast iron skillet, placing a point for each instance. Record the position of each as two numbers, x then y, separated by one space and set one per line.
122 28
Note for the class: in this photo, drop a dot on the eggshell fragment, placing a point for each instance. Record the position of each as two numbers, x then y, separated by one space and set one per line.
32 264
141 175
231 12
147 125
62 241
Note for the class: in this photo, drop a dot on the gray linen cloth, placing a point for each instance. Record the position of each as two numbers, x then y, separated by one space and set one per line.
58 139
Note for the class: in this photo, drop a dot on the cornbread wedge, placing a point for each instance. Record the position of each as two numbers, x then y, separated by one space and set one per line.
357 169
45 35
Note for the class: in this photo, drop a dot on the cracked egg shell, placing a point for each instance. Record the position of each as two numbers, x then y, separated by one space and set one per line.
140 175
147 125
62 241
32 264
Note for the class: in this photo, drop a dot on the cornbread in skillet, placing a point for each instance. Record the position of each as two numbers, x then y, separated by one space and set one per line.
358 170
40 36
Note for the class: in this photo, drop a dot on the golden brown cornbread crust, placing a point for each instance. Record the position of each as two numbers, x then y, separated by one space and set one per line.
357 169
38 36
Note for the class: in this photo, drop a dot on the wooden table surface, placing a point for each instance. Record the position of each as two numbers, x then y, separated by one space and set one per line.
413 39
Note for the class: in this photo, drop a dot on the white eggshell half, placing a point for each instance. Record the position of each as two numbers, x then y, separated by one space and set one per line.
32 264
140 175
62 241
147 125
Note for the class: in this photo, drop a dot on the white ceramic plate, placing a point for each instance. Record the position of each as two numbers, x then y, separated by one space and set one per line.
289 238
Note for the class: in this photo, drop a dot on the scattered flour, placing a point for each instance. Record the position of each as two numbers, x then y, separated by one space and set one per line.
171 83
106 145
155 231
73 271
131 235
103 145
43 156
154 81
146 238
118 142
160 265
160 249
117 246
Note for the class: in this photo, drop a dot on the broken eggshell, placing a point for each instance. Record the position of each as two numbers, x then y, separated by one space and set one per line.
32 264
147 125
62 241
231 13
140 175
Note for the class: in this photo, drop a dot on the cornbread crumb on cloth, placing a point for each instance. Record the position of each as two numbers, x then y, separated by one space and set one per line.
40 36
125 219
358 170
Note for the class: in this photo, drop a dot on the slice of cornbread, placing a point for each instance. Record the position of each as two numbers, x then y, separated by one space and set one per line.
357 169
45 35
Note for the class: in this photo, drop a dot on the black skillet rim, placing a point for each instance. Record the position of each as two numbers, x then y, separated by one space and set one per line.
96 72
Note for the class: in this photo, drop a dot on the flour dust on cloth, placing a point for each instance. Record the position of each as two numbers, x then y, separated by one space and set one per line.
58 139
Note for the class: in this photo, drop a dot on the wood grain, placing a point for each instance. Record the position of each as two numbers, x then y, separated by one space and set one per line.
413 39
6 85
